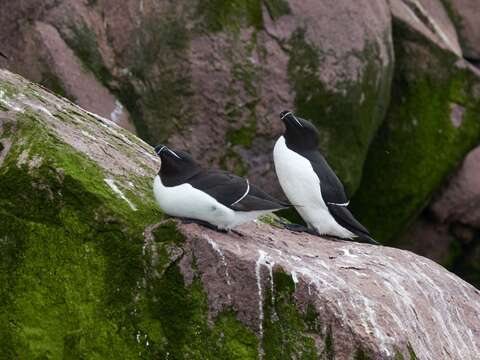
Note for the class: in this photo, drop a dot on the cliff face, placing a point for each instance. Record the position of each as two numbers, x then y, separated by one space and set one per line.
90 268
212 76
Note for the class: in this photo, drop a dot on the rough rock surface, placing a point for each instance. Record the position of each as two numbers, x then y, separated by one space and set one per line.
213 76
387 299
465 14
89 268
429 18
431 124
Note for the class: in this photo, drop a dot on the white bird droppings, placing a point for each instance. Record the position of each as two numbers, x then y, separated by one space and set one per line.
114 187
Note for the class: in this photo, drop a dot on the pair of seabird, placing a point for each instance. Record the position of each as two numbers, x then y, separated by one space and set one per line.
223 200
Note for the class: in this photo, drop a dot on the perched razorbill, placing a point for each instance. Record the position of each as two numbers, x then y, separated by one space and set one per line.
210 197
311 185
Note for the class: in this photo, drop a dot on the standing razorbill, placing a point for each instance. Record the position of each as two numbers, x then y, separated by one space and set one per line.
210 197
311 185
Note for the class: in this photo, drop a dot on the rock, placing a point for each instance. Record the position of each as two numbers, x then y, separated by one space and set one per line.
430 19
460 199
465 15
453 221
213 78
89 267
431 124
39 52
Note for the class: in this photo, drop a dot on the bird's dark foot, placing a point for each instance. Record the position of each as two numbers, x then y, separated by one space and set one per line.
237 232
295 227
332 237
312 232
202 223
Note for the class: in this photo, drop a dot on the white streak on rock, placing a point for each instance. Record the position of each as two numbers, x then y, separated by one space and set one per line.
258 264
215 247
294 278
88 135
39 108
265 260
114 187
117 112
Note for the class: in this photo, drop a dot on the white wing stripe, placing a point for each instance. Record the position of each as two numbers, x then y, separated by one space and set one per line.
243 196
344 204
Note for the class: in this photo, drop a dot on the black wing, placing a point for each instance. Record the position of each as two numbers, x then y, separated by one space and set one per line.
332 188
344 217
234 191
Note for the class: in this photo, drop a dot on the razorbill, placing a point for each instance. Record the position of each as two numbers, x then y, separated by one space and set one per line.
210 197
311 185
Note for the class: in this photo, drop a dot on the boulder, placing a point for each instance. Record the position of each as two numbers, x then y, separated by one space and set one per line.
449 229
211 77
431 124
90 268
429 18
465 15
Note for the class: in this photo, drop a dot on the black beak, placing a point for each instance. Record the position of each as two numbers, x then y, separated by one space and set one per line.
3 55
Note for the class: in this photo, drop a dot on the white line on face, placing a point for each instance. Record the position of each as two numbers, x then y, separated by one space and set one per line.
290 113
164 147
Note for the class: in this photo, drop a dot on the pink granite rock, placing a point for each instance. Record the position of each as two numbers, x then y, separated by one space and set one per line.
466 13
383 300
211 81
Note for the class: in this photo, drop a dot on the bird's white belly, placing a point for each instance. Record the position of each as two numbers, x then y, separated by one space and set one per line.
302 187
187 202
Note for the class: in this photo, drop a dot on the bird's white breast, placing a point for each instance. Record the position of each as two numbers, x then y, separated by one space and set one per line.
303 189
185 201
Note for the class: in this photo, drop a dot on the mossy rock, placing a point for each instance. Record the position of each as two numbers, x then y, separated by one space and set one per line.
213 76
431 124
88 265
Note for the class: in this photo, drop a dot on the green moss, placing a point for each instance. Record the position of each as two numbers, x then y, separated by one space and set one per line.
157 106
243 136
285 329
361 354
329 350
277 8
167 231
162 104
234 162
411 352
83 41
70 261
235 341
418 145
182 311
455 251
232 15
347 117
52 82
291 215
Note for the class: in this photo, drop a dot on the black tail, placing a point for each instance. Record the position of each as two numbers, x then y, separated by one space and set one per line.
344 217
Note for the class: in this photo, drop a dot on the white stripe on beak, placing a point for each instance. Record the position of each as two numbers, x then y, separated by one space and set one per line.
290 113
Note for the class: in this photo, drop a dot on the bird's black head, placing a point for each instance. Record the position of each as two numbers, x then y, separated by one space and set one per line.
176 165
299 133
